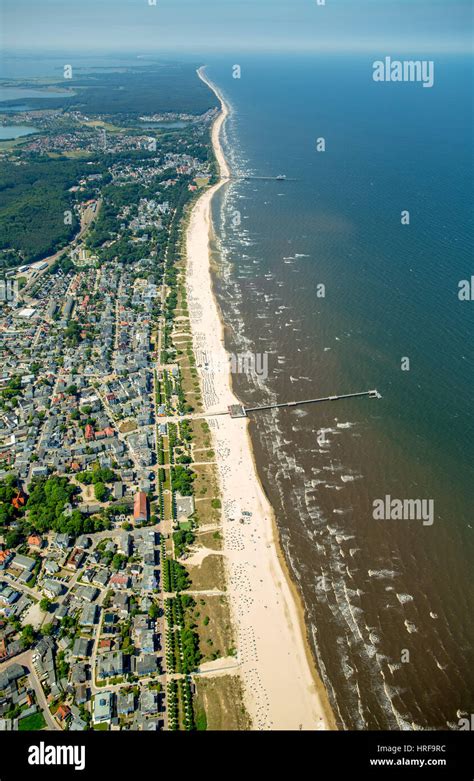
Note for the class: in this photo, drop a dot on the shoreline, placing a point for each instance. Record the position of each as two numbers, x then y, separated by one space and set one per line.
281 684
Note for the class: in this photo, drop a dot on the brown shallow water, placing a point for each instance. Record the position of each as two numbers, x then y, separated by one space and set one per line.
388 602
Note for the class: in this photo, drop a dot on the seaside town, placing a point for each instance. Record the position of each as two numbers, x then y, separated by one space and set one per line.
106 487
141 587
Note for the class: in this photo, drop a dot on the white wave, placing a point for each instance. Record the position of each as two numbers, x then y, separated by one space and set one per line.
403 598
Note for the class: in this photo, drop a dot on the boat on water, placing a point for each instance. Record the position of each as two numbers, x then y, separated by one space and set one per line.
281 176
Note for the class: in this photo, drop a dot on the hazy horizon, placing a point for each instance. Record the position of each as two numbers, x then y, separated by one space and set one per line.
215 26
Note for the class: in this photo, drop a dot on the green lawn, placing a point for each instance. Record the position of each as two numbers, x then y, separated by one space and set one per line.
34 722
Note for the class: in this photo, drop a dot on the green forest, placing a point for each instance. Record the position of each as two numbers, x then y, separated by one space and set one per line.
33 199
158 88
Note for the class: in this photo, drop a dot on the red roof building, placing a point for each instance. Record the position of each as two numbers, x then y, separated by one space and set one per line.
19 500
35 541
75 558
89 433
106 432
119 581
140 507
63 712
5 558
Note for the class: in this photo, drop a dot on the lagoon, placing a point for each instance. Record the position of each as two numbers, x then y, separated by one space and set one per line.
8 132
20 93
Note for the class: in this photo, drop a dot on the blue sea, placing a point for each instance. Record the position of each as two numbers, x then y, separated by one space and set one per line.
319 273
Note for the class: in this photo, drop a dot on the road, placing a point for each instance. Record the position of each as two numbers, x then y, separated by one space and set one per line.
87 217
26 660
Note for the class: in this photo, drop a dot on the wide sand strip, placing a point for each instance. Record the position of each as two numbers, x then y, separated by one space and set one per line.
281 687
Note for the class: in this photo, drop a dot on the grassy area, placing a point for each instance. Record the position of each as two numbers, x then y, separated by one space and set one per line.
35 721
213 625
78 154
129 425
13 142
106 125
204 455
209 574
219 704
167 506
201 434
206 513
200 719
205 484
190 382
212 540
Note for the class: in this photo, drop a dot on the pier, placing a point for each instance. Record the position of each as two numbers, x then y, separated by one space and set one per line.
265 178
239 411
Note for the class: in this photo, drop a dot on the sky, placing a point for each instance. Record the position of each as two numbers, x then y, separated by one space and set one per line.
199 26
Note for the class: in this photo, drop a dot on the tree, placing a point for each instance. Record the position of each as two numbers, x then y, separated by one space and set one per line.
61 665
100 492
46 502
154 611
27 636
117 561
184 459
182 479
7 488
45 604
13 538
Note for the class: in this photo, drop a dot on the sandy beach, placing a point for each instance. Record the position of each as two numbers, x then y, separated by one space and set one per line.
281 687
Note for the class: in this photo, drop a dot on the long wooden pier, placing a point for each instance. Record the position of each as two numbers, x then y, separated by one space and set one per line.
239 411
265 178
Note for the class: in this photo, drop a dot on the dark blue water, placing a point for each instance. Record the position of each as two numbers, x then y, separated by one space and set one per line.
388 602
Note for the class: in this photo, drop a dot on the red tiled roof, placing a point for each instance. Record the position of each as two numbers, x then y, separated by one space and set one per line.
18 500
63 711
140 507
